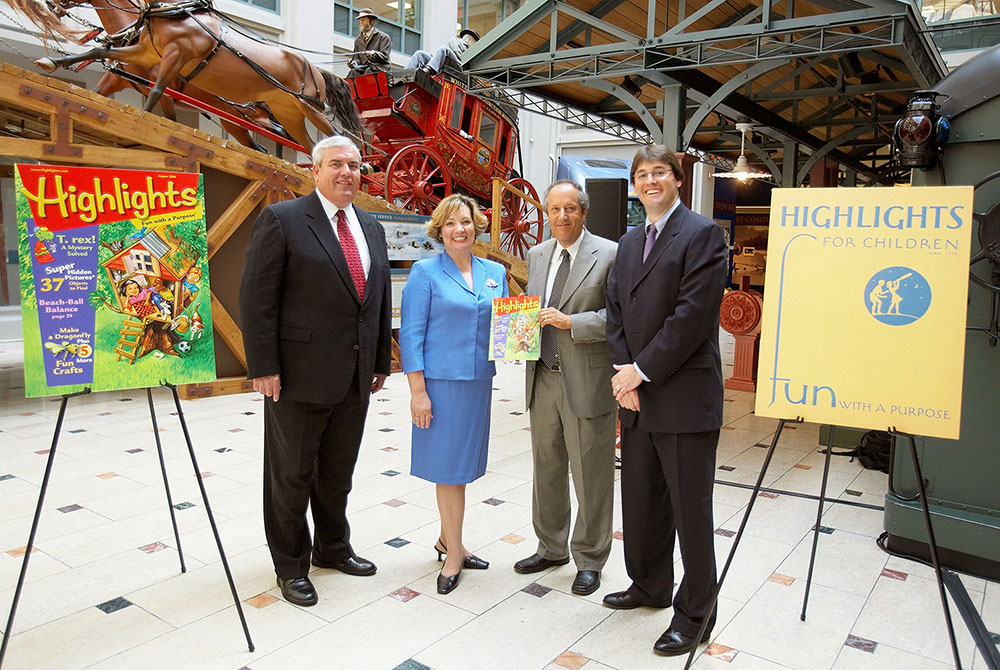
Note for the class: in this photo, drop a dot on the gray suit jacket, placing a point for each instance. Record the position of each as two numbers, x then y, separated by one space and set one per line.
583 352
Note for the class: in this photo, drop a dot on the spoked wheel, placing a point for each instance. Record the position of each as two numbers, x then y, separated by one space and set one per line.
417 179
520 220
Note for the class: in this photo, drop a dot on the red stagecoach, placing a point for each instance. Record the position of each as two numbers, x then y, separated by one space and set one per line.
431 137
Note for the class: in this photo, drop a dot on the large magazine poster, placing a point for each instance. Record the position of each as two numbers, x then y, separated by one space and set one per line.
114 278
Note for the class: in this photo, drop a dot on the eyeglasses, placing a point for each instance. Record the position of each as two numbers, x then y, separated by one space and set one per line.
655 174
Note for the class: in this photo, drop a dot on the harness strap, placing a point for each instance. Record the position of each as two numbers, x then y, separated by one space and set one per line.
218 44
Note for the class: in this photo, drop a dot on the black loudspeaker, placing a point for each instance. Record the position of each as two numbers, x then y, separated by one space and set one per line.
608 213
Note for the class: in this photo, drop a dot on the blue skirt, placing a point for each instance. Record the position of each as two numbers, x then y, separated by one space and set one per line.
453 449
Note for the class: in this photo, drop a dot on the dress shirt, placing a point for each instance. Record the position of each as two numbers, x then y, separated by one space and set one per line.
556 261
353 225
659 223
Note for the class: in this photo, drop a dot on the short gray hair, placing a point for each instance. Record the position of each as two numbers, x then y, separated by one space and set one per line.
581 195
335 141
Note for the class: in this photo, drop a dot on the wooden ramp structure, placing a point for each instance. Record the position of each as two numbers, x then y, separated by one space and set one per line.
46 120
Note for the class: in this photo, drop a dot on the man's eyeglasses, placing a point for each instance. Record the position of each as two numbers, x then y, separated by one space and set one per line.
655 174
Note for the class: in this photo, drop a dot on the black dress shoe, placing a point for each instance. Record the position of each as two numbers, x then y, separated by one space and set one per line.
352 565
622 600
586 582
447 584
536 563
674 643
298 591
471 562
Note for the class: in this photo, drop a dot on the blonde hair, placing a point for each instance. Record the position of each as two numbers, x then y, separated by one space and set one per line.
447 207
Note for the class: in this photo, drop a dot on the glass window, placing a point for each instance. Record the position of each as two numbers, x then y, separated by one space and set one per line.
484 15
935 11
269 5
487 130
399 19
456 109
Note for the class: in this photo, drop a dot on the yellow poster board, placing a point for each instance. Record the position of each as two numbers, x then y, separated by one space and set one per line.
864 311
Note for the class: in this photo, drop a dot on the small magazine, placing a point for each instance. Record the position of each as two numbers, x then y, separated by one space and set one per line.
514 331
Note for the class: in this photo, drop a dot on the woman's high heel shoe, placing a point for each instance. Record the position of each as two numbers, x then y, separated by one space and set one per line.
446 585
470 563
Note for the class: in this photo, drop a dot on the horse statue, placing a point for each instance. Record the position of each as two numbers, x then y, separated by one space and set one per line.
188 39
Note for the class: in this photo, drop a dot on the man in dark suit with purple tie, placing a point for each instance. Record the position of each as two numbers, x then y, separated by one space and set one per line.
664 294
315 310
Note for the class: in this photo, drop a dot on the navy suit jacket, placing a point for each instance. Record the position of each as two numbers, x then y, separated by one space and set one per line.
445 325
664 316
299 311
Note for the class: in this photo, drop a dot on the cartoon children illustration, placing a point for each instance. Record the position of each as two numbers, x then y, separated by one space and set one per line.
139 298
189 289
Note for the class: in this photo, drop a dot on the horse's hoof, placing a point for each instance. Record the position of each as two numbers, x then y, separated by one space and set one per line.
46 64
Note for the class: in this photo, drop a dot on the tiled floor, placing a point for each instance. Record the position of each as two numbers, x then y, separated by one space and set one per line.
104 589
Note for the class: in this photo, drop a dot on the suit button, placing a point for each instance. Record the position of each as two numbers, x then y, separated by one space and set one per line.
634 299
361 319
356 347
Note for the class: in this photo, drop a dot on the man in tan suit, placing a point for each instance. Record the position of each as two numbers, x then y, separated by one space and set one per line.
572 408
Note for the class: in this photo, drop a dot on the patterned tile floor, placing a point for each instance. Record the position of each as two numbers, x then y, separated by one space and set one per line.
104 588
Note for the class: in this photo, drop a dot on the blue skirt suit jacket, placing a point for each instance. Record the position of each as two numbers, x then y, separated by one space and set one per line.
445 332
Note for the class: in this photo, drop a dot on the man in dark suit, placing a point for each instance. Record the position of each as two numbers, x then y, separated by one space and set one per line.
315 308
663 339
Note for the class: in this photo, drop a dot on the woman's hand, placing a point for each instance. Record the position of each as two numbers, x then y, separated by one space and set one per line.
420 409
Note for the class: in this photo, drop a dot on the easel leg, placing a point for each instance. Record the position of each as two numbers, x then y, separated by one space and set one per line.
819 517
739 536
163 471
34 524
211 517
931 542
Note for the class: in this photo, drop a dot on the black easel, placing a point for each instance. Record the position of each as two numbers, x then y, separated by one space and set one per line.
170 507
932 544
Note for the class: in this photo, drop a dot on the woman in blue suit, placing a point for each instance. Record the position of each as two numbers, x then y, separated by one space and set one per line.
444 338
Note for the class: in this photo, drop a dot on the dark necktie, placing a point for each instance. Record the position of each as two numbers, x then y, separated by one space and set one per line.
550 345
650 240
350 249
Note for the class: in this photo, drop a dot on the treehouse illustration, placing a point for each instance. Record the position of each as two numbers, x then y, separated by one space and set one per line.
148 278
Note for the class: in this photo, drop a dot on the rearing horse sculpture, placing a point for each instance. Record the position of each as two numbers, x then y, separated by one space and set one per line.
187 40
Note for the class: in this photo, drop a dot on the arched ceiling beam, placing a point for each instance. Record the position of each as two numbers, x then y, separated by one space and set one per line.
724 92
633 103
827 149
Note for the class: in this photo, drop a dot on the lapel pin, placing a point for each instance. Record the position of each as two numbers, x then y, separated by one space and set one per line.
491 283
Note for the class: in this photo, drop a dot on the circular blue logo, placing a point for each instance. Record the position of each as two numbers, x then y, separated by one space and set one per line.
897 296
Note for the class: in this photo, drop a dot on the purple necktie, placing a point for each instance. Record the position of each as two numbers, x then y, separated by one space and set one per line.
350 248
650 240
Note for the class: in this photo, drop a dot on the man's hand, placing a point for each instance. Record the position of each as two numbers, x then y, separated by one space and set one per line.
420 409
378 382
625 380
550 316
630 400
270 386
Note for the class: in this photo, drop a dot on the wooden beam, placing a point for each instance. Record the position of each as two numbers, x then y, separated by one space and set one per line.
227 329
88 155
231 219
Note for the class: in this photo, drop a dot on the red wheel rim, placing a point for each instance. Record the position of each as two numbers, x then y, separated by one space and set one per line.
520 220
417 179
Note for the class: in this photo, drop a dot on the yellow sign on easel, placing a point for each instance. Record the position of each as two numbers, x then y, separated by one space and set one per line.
864 312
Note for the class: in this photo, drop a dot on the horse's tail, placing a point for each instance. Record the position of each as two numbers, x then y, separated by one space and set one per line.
338 97
45 20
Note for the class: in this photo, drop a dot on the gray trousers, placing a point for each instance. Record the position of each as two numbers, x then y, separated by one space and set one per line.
563 444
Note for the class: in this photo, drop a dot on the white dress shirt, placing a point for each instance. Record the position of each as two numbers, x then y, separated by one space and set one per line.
353 225
556 261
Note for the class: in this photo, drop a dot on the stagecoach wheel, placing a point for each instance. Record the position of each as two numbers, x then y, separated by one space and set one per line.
520 220
417 179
